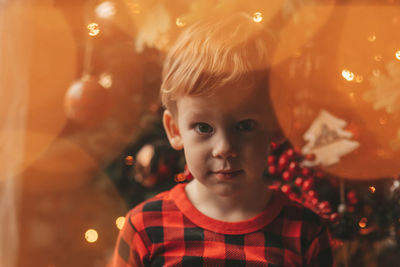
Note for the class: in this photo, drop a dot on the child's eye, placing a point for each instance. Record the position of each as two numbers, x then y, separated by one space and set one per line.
203 128
246 125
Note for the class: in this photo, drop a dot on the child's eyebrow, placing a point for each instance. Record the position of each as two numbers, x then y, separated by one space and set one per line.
195 115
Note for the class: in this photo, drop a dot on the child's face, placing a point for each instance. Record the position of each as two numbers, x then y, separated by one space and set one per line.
225 138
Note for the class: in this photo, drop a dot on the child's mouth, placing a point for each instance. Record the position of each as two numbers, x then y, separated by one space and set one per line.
227 174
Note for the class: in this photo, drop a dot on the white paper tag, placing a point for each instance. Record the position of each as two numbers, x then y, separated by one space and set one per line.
327 140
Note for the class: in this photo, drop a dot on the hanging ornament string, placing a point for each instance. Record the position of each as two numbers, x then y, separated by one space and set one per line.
93 31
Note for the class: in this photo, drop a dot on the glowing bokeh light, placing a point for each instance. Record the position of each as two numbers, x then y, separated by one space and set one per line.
372 38
119 222
382 120
398 54
257 17
129 160
105 10
359 78
105 80
180 23
135 8
91 235
380 152
372 189
348 75
378 58
363 222
93 29
376 72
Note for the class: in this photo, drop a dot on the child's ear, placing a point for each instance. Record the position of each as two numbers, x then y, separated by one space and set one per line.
172 130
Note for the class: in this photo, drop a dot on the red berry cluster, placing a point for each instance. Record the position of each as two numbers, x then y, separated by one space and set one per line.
298 182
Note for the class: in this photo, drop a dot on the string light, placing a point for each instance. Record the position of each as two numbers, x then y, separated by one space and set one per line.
348 75
398 54
93 29
91 235
129 160
105 80
382 120
363 222
376 72
380 152
359 78
180 23
257 17
119 222
135 8
378 58
372 189
372 38
105 10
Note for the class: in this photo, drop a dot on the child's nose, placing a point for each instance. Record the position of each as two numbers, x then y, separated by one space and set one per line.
224 148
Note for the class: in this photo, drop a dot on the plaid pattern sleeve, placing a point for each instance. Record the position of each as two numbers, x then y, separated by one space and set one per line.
168 231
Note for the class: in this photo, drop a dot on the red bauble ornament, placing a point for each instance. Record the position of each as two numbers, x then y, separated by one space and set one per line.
87 102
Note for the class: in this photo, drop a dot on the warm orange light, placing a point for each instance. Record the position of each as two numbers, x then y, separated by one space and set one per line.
135 8
180 23
348 75
363 222
380 152
105 10
398 54
105 80
129 160
372 38
91 235
93 29
257 17
372 189
378 58
119 222
376 72
382 120
359 78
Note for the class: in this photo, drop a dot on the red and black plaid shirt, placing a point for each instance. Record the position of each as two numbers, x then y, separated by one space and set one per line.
168 230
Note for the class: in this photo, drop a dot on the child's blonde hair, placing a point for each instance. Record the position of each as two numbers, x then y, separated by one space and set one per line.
216 52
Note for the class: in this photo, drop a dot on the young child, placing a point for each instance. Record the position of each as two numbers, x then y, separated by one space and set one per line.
215 91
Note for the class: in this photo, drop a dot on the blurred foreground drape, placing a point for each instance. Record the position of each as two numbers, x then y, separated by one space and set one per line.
14 82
